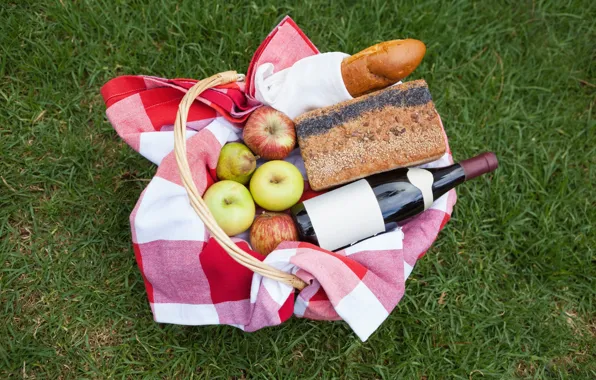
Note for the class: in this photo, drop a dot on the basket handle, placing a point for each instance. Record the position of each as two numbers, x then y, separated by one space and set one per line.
197 203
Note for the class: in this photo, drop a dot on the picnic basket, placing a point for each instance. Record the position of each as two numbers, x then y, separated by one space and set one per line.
193 272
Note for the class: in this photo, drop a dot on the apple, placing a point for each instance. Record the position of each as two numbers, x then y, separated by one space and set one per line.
236 162
271 228
231 206
276 185
270 133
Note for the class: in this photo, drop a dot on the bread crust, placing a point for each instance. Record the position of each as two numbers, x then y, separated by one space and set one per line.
381 65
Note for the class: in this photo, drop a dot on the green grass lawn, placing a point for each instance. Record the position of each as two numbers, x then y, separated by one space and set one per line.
507 291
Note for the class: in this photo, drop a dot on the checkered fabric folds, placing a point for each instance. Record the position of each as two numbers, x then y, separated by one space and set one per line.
189 278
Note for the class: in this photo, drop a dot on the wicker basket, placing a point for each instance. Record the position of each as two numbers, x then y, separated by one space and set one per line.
197 203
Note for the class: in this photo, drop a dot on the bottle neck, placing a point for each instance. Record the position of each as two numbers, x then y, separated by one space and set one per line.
447 178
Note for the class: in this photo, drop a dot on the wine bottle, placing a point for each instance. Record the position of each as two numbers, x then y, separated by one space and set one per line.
363 208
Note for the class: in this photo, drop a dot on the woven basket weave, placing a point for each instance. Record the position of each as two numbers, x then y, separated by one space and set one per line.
197 203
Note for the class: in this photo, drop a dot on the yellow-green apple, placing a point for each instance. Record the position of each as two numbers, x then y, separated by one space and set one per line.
276 185
271 228
236 162
231 206
269 133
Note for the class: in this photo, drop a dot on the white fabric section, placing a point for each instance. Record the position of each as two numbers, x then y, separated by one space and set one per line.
387 241
165 214
362 311
311 83
156 145
224 131
407 270
441 203
185 314
445 160
300 306
278 291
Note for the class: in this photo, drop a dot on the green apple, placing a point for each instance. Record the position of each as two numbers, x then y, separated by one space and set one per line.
277 185
236 162
231 206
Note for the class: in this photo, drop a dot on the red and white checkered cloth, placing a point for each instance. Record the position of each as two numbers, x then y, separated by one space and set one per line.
189 278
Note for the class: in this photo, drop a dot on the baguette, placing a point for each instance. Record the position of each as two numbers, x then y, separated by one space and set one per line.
381 65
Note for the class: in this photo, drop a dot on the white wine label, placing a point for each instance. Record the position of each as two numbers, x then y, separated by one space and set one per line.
423 180
345 215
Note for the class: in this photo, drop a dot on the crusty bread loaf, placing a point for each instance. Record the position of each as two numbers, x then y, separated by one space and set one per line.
381 65
392 128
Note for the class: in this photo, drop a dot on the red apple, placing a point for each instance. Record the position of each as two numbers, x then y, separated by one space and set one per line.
269 229
270 133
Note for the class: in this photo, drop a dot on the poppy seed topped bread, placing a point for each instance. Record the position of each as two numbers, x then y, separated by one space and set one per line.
388 129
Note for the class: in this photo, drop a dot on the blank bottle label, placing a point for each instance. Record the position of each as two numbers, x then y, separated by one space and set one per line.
356 215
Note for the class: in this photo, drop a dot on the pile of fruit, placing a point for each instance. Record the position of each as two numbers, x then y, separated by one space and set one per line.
275 186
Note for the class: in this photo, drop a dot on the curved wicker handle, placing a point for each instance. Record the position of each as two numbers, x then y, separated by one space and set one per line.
197 202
